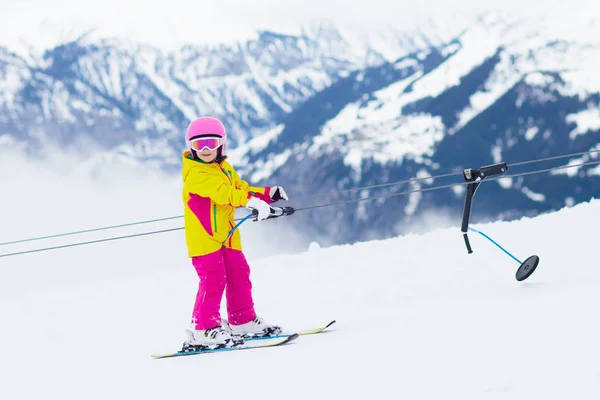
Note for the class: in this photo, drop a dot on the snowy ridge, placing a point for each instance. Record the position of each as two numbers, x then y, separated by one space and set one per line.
522 55
467 103
136 89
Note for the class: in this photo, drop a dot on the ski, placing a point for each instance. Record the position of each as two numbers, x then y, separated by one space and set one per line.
299 333
275 341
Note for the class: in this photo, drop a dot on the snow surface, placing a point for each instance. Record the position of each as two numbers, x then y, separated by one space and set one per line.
240 155
587 121
417 316
531 132
377 129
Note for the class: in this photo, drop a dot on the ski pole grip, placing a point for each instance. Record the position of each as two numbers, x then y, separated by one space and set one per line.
276 212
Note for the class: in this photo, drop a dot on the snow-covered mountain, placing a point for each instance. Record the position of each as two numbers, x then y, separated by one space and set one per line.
504 90
325 111
120 92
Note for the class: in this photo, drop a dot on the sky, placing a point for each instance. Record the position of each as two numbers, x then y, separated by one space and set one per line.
40 23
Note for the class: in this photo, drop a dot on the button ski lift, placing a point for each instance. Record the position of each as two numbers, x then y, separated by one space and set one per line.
475 177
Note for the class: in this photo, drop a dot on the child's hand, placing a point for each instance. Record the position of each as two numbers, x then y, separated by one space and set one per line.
264 210
277 193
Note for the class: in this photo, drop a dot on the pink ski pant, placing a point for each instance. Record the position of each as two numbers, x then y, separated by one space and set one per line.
225 268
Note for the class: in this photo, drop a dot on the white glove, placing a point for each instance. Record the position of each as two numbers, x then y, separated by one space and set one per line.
264 210
277 193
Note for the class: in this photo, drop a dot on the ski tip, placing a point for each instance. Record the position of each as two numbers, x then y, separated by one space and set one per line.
292 338
156 356
329 324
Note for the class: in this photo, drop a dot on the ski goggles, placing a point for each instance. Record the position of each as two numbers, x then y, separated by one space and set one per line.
210 143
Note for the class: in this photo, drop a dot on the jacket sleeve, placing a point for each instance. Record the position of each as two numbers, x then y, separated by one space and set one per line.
255 191
213 187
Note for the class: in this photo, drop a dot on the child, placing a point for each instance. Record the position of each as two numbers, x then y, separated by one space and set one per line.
211 191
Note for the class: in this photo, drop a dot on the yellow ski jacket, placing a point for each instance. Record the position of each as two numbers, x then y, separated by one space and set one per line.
211 193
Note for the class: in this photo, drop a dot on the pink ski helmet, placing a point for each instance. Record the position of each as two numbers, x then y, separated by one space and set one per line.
206 127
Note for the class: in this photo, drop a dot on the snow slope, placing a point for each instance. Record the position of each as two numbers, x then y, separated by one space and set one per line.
418 317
